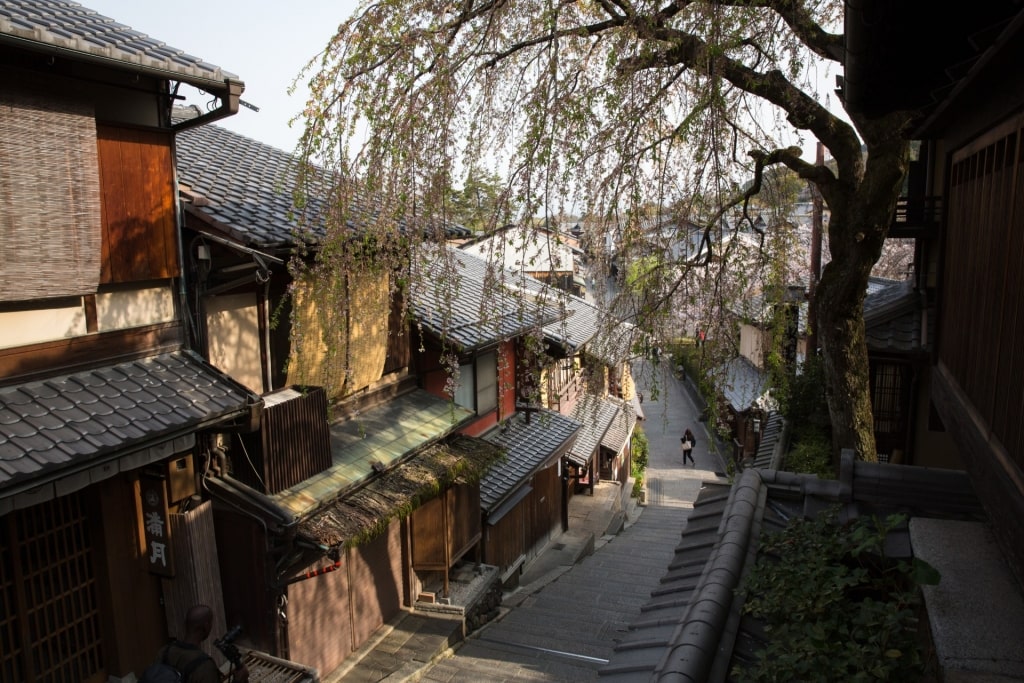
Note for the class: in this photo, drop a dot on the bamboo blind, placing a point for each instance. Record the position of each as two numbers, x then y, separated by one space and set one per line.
196 574
50 221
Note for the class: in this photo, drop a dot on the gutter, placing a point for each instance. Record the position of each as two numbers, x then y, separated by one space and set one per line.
228 107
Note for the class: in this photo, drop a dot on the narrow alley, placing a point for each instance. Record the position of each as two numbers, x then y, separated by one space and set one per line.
566 629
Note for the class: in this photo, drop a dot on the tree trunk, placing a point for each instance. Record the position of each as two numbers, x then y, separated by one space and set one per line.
861 214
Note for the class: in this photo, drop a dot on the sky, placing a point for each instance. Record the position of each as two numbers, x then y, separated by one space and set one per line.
264 44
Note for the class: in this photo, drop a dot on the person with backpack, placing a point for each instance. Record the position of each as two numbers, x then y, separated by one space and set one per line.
184 660
689 441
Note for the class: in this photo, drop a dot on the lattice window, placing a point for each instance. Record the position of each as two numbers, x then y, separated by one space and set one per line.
49 616
887 397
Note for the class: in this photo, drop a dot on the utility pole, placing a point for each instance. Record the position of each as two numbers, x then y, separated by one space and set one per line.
817 209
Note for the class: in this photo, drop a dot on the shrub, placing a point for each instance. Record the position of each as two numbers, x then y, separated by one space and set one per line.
812 455
640 451
834 607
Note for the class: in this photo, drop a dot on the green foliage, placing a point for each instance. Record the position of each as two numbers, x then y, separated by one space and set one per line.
640 450
807 412
640 453
807 408
640 273
812 454
834 607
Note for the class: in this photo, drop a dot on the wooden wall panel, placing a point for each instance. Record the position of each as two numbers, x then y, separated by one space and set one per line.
506 539
375 578
245 577
138 205
982 311
319 624
135 629
465 518
427 523
196 574
546 502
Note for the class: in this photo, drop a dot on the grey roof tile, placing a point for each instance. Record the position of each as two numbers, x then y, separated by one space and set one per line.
249 188
742 384
620 429
892 318
48 424
528 446
475 307
69 27
596 414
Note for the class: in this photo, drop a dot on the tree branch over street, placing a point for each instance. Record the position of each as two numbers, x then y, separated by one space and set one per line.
605 108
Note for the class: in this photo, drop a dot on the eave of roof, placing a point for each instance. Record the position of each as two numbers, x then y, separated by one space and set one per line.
64 431
364 514
378 439
67 29
531 441
596 414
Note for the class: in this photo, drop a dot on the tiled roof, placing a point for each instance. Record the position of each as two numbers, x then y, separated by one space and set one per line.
773 444
892 318
246 189
692 628
596 414
742 384
463 301
578 323
620 430
63 424
528 445
63 26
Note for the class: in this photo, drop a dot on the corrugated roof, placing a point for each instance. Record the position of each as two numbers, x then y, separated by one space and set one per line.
528 447
63 26
66 423
378 437
361 516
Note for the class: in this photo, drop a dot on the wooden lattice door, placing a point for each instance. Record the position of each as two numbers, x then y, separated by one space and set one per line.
49 614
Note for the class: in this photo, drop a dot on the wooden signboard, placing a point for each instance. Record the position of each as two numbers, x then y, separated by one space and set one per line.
155 527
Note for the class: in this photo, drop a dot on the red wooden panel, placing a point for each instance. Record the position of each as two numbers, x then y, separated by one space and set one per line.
138 200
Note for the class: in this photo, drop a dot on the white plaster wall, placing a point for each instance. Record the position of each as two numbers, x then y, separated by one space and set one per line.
125 309
234 341
18 328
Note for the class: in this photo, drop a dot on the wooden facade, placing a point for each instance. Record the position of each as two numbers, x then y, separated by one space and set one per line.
79 583
977 379
516 534
140 231
330 615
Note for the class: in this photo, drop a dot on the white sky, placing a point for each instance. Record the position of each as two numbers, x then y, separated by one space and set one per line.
265 44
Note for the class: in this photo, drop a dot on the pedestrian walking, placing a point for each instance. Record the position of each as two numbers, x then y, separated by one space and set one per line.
689 442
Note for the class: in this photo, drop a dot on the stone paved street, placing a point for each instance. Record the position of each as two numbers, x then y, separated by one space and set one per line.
567 630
